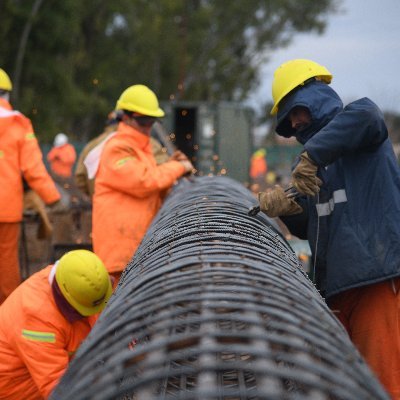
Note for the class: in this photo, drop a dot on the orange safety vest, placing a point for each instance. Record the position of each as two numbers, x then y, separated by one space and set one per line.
20 155
129 187
62 159
36 341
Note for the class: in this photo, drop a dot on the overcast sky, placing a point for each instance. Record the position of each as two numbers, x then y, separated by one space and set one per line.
360 47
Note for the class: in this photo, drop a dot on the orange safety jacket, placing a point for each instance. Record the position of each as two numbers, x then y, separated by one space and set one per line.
129 186
20 155
36 340
62 159
258 167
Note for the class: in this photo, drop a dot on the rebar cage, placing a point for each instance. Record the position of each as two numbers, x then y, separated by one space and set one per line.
214 305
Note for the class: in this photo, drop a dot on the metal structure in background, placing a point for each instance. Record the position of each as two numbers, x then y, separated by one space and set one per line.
214 305
217 138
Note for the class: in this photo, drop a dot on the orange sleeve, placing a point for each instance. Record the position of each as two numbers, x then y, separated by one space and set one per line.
41 347
33 169
122 170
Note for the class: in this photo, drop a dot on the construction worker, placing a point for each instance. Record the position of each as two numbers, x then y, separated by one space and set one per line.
258 165
43 322
348 208
20 157
82 181
129 185
62 156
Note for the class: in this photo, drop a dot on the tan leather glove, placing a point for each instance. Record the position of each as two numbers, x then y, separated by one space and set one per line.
275 203
188 166
304 176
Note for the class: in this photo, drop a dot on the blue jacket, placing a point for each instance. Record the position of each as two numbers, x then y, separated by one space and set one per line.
353 224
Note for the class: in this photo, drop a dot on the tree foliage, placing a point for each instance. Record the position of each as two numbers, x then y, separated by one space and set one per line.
71 59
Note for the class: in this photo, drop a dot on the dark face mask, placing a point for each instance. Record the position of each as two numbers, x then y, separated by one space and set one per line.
145 120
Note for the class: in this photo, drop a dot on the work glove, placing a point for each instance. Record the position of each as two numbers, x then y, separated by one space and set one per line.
304 176
189 169
178 156
275 203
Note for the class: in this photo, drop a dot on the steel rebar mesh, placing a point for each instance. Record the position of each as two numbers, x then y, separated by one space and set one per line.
219 308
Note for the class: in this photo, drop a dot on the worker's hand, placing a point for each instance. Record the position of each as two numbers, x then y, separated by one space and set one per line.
178 156
304 176
58 207
189 169
275 203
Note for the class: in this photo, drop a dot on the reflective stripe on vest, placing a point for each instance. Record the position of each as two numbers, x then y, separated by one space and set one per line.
324 209
35 336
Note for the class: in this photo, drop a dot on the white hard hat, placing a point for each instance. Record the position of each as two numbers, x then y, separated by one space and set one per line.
60 139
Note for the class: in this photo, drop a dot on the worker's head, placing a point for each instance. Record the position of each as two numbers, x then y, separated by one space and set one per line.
294 73
140 108
5 85
299 118
303 99
60 139
83 281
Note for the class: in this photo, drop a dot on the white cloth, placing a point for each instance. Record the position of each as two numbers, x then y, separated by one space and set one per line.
4 113
92 160
52 273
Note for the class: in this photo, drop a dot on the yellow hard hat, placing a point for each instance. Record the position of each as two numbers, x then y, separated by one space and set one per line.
260 153
294 73
83 281
5 81
140 99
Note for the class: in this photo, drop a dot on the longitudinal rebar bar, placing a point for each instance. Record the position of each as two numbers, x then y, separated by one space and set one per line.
214 305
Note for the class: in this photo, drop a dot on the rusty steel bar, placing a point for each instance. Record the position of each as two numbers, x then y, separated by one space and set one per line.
214 305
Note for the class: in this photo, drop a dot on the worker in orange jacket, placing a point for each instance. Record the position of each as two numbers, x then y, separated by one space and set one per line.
258 165
82 181
43 322
62 156
129 185
20 156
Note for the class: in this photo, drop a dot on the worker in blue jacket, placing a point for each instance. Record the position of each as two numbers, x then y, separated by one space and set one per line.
347 205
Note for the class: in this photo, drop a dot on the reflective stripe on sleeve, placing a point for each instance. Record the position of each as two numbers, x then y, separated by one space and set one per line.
123 161
324 209
30 136
35 336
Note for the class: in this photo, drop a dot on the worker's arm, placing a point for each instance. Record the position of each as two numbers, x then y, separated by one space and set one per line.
52 155
68 154
360 126
33 169
41 347
122 170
